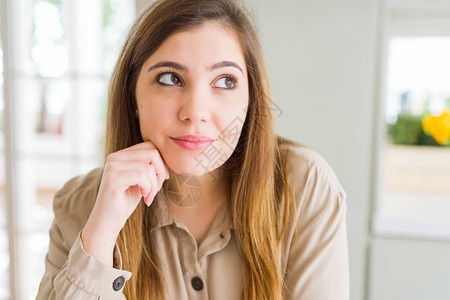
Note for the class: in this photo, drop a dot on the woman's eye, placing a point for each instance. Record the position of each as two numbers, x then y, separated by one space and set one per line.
169 79
227 82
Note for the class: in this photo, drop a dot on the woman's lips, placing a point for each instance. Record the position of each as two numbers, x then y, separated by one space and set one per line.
192 145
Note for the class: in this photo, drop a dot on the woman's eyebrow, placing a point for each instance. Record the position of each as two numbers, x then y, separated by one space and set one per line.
223 64
169 64
177 66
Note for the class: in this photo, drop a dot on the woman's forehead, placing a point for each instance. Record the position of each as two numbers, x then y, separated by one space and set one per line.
203 45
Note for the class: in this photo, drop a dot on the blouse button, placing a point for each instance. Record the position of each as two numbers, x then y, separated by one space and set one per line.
118 283
197 284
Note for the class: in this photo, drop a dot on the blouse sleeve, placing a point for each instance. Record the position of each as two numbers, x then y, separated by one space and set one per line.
317 266
70 273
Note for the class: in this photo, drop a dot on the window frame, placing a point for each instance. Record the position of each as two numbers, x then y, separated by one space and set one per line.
10 12
399 18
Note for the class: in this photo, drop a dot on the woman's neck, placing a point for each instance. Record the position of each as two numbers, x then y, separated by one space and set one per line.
196 200
188 190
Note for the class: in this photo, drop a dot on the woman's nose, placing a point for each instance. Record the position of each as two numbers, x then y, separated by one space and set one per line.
195 105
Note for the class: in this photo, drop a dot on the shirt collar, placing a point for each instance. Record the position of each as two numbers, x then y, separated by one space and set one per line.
160 212
162 216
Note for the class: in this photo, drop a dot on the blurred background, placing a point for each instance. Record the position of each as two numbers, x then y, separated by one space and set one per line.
364 83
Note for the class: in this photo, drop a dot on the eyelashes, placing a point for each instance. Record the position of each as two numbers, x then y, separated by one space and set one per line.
169 78
228 82
172 79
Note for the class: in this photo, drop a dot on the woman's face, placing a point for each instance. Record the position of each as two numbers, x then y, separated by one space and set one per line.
195 83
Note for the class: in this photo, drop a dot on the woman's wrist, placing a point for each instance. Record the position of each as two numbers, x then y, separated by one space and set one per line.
99 245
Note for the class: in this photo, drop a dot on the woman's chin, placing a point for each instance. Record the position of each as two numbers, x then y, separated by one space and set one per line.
189 170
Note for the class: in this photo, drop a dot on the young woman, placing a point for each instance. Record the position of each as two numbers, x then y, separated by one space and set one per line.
198 198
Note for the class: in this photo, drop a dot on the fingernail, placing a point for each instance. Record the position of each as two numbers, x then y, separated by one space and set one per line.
150 199
167 177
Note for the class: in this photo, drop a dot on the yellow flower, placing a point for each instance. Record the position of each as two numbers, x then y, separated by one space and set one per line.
438 127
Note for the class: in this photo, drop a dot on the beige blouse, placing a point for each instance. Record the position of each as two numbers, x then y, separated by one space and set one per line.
313 256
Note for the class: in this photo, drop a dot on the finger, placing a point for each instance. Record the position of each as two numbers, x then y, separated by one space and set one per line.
144 155
149 145
142 145
118 182
148 199
118 165
141 169
152 157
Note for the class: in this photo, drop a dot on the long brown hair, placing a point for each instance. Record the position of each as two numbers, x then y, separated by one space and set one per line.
256 168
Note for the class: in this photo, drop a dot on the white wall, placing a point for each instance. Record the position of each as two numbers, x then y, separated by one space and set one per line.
321 57
403 269
325 63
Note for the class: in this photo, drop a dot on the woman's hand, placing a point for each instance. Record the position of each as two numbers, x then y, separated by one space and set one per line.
129 174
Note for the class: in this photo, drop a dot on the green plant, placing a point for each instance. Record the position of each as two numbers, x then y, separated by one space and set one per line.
407 130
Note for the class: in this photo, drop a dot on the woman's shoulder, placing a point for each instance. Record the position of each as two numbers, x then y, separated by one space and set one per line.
314 187
73 203
314 243
305 166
